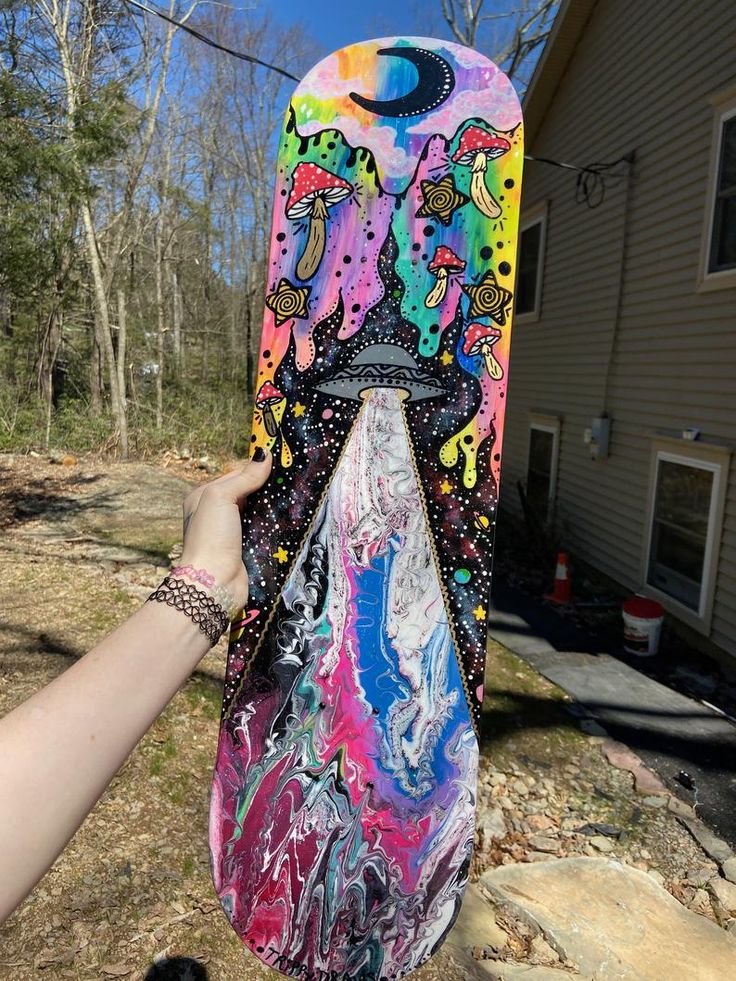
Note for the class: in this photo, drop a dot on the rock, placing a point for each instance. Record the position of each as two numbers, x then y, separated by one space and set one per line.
680 808
597 911
700 877
56 456
623 758
503 971
492 824
540 843
657 876
542 953
602 843
539 857
476 924
540 822
714 847
725 893
700 903
729 869
655 801
497 778
520 788
68 460
185 453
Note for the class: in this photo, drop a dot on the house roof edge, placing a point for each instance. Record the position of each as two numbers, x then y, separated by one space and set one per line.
567 29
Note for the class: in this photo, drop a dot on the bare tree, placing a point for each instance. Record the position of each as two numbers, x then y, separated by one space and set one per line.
515 34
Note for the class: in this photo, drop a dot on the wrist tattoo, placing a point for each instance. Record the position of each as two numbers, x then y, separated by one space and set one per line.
204 578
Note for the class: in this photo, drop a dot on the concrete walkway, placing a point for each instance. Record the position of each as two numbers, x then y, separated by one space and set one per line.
671 733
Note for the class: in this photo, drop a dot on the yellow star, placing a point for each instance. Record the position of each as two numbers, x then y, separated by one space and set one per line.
281 554
445 486
299 410
446 358
479 613
288 301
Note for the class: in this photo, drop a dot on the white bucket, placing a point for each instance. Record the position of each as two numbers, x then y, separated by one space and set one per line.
641 633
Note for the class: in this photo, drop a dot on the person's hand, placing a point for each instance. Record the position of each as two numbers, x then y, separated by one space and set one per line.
212 527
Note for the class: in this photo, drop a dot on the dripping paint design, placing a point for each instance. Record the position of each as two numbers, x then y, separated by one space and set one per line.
342 810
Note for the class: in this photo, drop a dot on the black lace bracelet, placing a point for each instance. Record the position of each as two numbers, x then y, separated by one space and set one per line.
199 606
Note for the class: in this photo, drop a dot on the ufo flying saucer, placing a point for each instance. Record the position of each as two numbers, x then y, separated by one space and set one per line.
382 366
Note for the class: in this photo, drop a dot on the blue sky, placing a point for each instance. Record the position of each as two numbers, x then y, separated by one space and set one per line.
335 23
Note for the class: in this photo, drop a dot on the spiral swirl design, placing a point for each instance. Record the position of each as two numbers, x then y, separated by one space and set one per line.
288 301
441 199
488 299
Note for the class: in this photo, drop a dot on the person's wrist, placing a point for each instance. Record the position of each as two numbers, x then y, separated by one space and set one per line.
231 593
190 599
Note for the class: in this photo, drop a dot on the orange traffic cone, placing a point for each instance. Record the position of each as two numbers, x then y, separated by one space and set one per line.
562 591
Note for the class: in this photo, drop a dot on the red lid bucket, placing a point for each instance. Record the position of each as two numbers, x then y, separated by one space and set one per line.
643 618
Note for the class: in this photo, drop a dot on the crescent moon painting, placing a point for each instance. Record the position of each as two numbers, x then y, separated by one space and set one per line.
343 801
436 82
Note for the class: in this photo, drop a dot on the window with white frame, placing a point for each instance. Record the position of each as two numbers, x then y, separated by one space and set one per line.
530 263
541 474
718 249
722 253
686 514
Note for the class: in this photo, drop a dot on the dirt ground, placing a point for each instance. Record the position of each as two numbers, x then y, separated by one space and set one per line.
80 546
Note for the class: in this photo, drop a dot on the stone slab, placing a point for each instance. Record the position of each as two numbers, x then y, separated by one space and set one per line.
612 921
476 924
503 971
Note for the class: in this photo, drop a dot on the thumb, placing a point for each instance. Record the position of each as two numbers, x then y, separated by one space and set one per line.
241 483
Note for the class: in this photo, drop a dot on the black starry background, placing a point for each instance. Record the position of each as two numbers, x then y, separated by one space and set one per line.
316 426
279 515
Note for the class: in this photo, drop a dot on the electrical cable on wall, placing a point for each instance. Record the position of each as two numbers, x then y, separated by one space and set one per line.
592 179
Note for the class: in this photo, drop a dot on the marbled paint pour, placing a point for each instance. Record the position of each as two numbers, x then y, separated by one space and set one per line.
356 794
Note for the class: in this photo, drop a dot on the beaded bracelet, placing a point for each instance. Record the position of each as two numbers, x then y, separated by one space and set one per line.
223 597
199 606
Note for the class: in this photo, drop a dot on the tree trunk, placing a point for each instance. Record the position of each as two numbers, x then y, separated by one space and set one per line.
160 322
177 317
104 332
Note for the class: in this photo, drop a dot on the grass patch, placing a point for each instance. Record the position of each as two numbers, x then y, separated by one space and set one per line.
205 695
523 712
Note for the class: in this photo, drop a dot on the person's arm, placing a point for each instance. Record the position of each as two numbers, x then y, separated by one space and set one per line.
60 749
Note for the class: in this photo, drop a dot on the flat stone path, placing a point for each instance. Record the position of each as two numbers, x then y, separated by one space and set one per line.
615 923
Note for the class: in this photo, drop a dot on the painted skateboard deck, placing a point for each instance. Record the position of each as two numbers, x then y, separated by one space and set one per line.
342 810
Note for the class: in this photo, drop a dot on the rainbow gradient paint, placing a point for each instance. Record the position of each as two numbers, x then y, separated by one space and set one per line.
343 800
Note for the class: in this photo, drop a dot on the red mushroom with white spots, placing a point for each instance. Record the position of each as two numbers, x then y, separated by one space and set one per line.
475 150
479 339
268 396
313 191
444 264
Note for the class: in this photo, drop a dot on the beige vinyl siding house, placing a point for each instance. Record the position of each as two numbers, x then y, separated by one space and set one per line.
629 308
